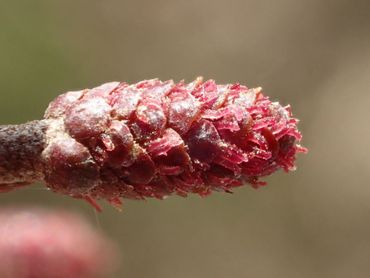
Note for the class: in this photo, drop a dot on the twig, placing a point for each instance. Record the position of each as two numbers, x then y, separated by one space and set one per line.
20 153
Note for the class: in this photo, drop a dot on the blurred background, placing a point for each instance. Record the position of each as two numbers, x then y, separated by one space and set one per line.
312 54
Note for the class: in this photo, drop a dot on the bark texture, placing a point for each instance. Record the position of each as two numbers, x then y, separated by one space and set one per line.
20 153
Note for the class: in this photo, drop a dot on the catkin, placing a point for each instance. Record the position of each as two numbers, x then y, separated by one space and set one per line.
155 139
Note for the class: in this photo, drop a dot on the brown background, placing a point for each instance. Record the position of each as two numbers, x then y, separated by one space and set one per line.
312 54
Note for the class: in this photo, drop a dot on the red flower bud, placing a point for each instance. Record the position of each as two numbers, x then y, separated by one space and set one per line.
154 139
43 244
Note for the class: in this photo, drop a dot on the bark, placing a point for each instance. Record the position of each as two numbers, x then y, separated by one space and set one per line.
20 153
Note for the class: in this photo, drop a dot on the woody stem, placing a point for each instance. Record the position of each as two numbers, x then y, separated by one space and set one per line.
20 153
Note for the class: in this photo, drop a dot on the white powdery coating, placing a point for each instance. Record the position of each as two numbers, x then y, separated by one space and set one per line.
61 103
44 244
88 118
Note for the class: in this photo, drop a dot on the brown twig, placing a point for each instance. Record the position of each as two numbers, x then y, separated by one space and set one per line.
20 153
